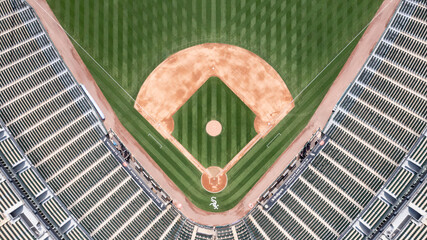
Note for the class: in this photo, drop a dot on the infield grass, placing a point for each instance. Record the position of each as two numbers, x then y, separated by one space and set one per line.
297 37
214 101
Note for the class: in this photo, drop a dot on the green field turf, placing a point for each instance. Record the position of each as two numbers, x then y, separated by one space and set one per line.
214 101
297 37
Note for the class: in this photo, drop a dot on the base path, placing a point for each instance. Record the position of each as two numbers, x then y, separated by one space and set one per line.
319 119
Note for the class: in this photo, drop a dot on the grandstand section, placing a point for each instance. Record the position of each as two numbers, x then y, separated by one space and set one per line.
39 198
18 218
408 217
50 121
63 175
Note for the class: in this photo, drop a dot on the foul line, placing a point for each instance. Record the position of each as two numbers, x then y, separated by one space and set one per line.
277 135
155 140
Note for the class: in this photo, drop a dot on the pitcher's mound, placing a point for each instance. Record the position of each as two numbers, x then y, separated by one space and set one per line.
212 182
213 128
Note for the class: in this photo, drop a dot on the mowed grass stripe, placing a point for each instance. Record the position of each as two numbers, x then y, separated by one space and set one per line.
205 137
208 146
223 110
298 38
212 116
199 124
194 124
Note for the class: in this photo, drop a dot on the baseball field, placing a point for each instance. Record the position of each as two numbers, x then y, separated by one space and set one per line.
302 40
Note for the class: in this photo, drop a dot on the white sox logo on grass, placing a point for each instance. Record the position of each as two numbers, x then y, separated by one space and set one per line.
214 203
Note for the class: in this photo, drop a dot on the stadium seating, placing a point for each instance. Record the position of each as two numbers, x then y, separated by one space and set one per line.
420 153
9 198
16 220
242 230
353 235
10 153
32 181
374 126
225 233
187 230
421 200
58 129
412 228
375 212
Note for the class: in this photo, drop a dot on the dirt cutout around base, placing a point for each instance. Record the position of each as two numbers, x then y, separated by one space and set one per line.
213 180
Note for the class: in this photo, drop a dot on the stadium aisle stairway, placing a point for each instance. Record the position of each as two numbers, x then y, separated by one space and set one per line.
373 127
58 129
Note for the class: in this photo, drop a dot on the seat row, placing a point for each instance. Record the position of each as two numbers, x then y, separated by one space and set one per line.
398 184
410 26
420 153
58 161
32 181
55 124
358 150
387 88
413 231
375 212
362 172
397 75
94 195
9 7
97 215
24 49
370 136
387 107
8 198
186 230
412 45
15 230
18 88
55 211
37 97
421 199
399 134
10 152
414 10
82 164
28 65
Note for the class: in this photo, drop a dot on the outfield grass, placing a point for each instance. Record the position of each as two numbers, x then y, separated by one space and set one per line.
297 37
214 101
